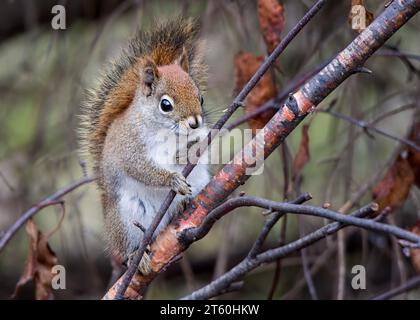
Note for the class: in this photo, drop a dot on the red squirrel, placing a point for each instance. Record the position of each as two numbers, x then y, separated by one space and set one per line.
156 83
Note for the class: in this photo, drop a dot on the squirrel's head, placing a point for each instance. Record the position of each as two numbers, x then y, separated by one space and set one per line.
156 82
170 98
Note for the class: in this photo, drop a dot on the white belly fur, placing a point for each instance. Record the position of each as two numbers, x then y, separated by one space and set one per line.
133 191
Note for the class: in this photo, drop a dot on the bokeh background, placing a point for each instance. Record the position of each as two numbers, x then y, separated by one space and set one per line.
43 75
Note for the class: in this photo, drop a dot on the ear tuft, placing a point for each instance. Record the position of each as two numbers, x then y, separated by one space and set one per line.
150 75
183 60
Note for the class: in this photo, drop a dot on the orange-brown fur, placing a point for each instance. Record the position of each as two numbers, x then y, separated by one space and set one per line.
180 87
117 87
120 119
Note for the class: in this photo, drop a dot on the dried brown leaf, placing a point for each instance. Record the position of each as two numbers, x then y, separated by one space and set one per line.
414 155
246 64
393 189
272 21
38 265
302 156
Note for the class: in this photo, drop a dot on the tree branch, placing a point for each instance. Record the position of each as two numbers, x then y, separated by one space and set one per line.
237 102
409 285
193 234
168 244
367 127
248 264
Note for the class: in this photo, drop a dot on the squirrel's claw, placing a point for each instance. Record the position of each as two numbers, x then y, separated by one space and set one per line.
183 204
180 185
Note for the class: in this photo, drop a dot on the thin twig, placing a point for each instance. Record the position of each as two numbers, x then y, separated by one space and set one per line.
398 255
50 200
188 272
320 262
390 53
249 264
279 99
279 262
305 265
61 219
409 285
367 127
256 248
193 234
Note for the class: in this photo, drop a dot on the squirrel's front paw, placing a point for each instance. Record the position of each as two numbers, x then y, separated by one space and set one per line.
179 184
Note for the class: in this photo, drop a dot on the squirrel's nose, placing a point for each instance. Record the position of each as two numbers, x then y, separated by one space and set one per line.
195 121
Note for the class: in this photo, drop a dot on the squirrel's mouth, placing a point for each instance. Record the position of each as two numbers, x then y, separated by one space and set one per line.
181 129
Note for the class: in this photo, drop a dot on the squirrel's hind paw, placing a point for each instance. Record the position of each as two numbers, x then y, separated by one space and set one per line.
182 205
145 265
180 185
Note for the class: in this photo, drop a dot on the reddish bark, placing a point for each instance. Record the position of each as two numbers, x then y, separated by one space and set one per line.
170 242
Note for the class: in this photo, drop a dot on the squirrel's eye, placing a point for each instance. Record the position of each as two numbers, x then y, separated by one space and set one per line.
166 105
201 100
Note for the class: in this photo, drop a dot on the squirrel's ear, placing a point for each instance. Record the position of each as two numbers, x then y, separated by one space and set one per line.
150 75
183 60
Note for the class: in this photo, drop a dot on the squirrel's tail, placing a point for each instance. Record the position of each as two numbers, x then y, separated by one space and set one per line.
115 90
